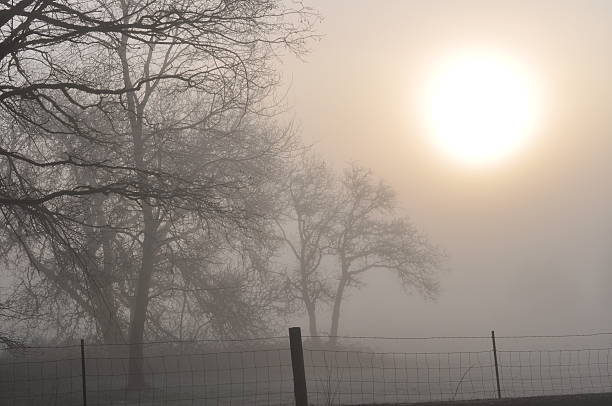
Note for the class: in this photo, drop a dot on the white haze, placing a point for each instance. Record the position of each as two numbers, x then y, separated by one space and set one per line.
529 241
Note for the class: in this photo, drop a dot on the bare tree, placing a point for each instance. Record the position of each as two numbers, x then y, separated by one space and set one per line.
58 53
305 225
337 229
369 235
145 106
102 271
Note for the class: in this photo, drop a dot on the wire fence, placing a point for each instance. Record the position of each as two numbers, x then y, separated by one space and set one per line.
175 373
351 371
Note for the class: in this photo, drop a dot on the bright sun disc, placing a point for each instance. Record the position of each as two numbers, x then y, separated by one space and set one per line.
481 108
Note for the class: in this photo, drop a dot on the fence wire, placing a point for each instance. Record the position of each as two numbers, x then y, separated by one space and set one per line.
361 377
175 373
352 371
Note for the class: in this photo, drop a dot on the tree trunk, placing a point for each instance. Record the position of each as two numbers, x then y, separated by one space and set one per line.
312 321
138 312
109 322
335 318
111 333
140 302
101 295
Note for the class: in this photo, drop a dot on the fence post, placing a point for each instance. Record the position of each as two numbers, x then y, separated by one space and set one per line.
297 363
83 372
496 365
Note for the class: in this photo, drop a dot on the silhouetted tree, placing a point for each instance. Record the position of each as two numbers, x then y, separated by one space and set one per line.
55 53
205 256
369 235
305 225
130 122
60 53
337 229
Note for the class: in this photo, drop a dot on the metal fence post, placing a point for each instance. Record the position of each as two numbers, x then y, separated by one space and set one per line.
83 372
297 363
496 365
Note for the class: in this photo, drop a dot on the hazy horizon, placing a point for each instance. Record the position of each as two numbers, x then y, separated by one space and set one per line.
528 239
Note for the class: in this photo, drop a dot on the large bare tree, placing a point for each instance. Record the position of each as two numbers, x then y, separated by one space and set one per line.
134 126
59 53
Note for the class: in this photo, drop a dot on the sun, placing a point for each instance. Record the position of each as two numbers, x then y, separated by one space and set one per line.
481 107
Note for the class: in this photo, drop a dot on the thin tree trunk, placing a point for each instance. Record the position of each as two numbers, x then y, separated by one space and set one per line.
335 318
312 321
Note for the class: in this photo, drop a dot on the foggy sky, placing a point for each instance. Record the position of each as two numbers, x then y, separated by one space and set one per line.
529 240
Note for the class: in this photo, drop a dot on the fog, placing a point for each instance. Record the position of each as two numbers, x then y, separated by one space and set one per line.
528 239
400 184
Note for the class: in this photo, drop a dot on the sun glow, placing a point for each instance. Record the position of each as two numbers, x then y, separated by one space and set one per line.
481 107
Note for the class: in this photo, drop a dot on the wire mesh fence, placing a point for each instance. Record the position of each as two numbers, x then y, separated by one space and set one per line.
554 372
351 371
359 377
175 373
356 377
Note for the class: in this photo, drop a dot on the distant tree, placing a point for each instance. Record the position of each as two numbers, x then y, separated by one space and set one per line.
337 229
369 235
305 226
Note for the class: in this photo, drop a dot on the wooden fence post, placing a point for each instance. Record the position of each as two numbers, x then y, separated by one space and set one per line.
83 372
496 364
297 362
